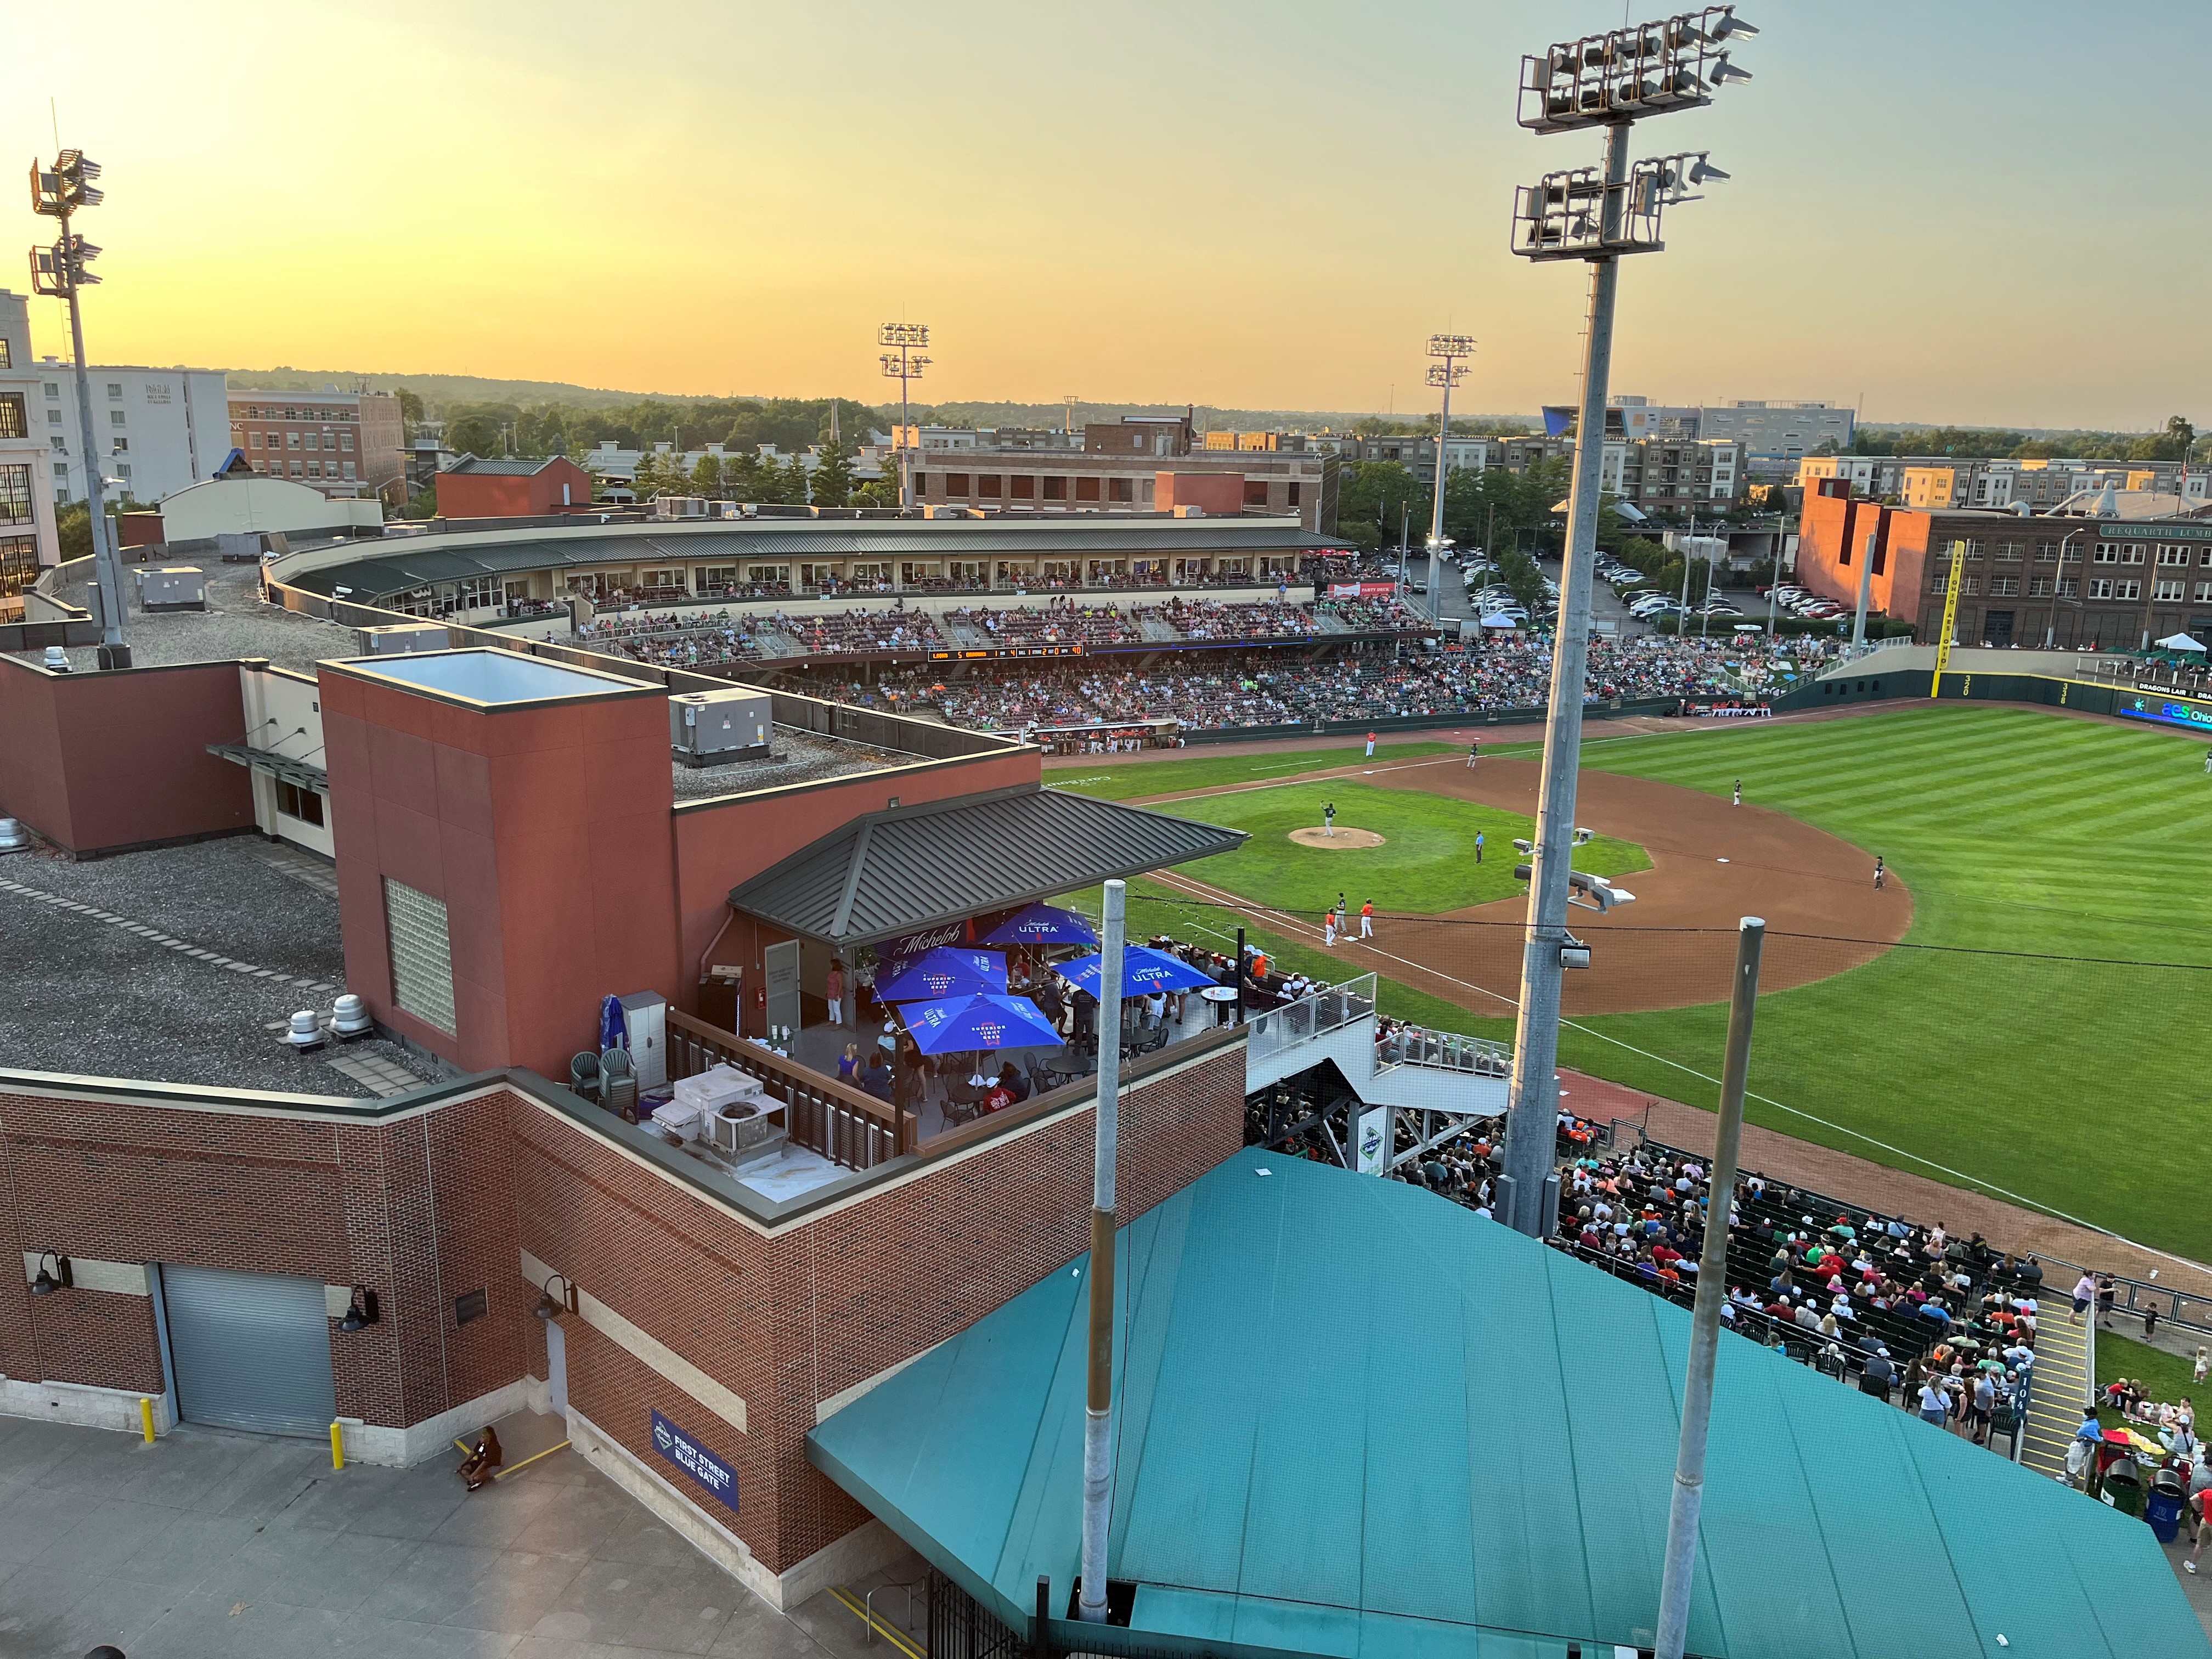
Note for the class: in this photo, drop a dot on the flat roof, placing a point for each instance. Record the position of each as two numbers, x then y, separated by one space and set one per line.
182 964
482 676
238 623
1356 1419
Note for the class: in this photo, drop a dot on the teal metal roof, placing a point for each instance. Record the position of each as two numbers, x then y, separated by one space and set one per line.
1357 1419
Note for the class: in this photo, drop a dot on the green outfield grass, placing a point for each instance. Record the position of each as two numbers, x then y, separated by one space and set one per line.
1115 779
2036 1071
2082 1087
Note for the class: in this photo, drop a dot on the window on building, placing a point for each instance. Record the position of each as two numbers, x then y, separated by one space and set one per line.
345 442
2174 553
956 483
14 495
314 440
767 573
291 440
349 469
920 484
1121 489
2010 552
2118 553
421 955
2203 592
1086 490
2070 587
19 565
1055 490
314 469
1022 486
1256 492
120 447
987 485
297 472
2038 587
1294 495
305 804
5 362
253 441
115 389
2004 587
53 417
2170 591
14 420
53 390
116 416
714 578
871 573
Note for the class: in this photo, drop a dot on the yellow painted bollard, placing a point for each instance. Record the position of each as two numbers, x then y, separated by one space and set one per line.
146 1418
337 1446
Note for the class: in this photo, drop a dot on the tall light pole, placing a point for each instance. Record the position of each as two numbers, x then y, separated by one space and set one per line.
1105 1157
58 272
905 367
1597 215
1454 349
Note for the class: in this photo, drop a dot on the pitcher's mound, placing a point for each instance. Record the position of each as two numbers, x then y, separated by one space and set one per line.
1343 839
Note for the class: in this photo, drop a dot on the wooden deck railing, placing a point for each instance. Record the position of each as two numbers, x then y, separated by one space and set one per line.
843 1124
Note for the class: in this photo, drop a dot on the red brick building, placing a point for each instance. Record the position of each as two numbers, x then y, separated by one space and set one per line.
473 487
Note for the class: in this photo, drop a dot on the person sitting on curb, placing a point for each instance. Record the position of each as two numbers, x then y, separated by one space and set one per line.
482 1464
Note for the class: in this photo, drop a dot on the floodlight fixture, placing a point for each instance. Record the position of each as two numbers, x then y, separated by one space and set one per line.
1649 68
1447 374
905 366
1453 349
903 334
1451 345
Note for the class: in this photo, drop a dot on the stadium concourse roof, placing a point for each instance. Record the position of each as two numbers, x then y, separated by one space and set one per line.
400 564
1356 1418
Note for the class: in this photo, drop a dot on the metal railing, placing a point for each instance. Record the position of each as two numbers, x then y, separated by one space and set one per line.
1450 1051
1316 1014
852 1129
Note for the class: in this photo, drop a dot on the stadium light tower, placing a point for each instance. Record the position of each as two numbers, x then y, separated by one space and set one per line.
61 192
1454 349
905 367
1598 215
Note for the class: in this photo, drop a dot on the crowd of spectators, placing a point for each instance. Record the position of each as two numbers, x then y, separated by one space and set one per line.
1058 622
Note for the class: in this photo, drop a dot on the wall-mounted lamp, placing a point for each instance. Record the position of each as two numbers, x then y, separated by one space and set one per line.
361 1312
550 1307
60 1279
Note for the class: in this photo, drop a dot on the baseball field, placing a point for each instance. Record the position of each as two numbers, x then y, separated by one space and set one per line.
2022 1009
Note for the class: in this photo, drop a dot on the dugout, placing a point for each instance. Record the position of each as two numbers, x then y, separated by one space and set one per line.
1355 1419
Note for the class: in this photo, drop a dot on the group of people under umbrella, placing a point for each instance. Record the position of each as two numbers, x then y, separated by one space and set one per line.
958 1000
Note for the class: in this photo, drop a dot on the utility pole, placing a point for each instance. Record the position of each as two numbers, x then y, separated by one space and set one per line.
58 272
1453 349
1681 1557
1099 1414
905 367
1605 82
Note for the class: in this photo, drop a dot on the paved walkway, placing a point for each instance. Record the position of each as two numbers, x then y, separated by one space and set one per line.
209 1543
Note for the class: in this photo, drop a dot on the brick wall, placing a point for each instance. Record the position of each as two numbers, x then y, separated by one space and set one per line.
435 1205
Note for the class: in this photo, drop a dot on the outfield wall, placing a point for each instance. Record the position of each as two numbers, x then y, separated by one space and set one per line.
1466 718
1867 681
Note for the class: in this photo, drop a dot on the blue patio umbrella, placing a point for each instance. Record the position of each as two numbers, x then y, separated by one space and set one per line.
1144 970
981 1021
945 972
1043 924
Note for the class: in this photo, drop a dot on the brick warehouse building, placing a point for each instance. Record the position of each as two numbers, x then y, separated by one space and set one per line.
204 1233
2073 581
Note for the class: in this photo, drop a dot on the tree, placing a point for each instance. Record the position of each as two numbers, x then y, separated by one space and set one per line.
1373 499
423 504
410 406
474 434
833 477
706 478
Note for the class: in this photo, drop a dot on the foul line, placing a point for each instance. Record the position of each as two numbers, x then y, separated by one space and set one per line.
1960 1177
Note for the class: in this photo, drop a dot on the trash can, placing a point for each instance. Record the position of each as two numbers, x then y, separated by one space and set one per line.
2162 1505
2123 1486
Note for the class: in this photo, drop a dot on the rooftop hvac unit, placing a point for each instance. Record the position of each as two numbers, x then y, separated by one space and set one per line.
172 588
710 728
403 637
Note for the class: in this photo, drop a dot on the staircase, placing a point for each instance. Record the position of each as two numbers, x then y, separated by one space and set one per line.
2065 1357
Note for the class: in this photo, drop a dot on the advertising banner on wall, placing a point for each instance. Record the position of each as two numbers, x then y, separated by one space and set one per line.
1371 1140
696 1460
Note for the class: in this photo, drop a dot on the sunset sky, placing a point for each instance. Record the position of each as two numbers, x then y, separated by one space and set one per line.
1973 211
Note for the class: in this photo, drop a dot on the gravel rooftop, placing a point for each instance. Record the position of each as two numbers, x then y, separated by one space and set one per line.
92 990
237 624
800 757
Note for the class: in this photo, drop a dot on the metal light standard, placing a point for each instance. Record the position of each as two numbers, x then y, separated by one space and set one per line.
1454 349
906 368
1597 214
57 272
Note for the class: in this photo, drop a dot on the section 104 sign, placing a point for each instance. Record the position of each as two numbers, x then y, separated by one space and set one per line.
696 1460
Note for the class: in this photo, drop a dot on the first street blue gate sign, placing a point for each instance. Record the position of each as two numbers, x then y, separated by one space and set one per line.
696 1460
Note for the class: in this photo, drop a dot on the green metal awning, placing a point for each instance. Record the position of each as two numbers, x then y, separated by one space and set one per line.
297 772
1356 1418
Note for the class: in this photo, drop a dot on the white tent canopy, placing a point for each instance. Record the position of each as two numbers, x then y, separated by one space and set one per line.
2179 642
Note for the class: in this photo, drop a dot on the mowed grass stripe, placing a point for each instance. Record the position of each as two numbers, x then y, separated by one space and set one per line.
2074 1084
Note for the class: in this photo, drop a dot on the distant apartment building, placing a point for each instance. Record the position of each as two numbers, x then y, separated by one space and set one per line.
158 430
1673 478
1776 433
1418 455
1873 476
342 443
27 541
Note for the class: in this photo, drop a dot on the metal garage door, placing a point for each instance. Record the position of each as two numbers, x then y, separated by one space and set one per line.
252 1351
